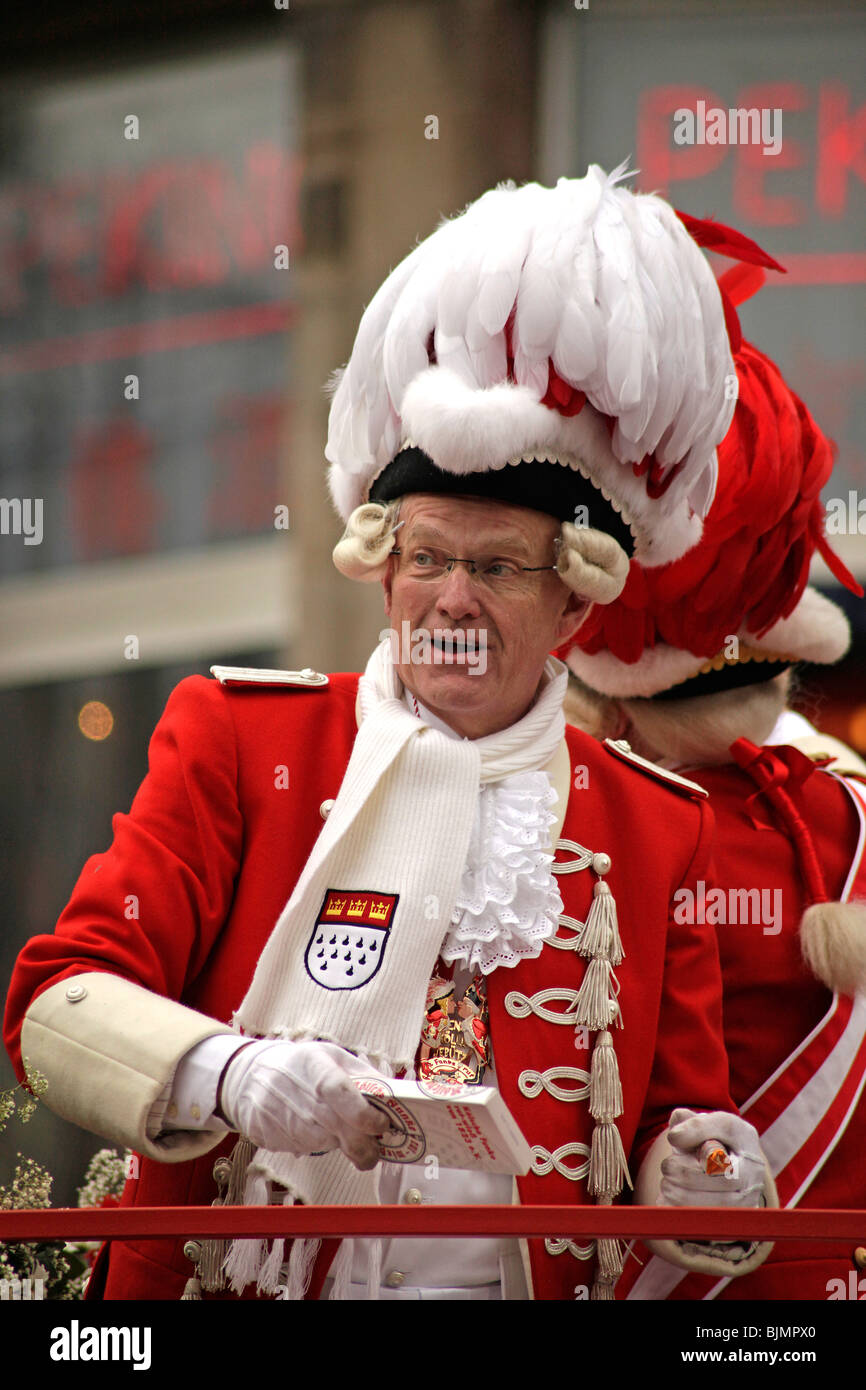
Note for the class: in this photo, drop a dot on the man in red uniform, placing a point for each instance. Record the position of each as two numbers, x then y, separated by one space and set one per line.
699 665
307 851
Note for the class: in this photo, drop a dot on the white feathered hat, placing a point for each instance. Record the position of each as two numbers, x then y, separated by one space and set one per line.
578 326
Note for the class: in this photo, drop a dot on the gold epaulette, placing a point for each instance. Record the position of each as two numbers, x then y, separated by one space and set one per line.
623 750
818 746
252 675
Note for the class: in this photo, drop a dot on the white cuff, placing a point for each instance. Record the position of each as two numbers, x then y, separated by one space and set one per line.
193 1097
109 1049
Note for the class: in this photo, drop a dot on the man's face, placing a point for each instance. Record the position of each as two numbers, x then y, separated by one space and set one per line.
517 627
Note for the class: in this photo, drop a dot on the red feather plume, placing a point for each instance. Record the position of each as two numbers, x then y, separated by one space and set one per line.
752 564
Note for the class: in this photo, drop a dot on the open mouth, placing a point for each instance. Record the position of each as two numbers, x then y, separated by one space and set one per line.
458 647
455 643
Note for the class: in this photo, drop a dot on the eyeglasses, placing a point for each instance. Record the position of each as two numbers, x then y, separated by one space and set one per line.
494 572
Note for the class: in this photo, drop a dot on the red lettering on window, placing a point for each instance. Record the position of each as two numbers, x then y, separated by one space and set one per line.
246 447
752 167
661 162
114 507
841 153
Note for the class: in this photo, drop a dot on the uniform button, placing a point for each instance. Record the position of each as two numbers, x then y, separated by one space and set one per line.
75 993
601 864
860 1257
326 808
395 1280
195 1111
623 744
222 1171
171 1112
413 1196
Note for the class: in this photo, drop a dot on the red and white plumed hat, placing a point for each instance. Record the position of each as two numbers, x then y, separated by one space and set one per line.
669 631
574 333
747 578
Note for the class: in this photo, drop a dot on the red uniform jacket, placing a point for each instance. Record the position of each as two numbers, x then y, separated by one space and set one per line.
772 1002
212 847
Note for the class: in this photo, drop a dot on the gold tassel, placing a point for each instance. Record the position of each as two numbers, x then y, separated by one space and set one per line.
601 1292
240 1160
211 1264
605 1088
608 1168
192 1250
596 1006
600 935
229 1173
214 1251
611 1257
608 1266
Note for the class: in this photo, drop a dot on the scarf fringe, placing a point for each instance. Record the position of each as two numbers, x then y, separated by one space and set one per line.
268 1281
244 1262
301 1261
374 1271
341 1271
246 1257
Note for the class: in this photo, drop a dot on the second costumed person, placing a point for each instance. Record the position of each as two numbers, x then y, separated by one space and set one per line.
693 664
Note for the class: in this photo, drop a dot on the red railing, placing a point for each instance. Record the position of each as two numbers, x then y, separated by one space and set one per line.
697 1223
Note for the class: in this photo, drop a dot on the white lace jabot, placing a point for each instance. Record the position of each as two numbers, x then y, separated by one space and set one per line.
508 903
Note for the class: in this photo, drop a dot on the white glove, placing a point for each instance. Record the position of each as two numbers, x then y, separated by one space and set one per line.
685 1183
298 1098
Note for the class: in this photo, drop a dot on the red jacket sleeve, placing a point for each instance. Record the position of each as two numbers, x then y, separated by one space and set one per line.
150 907
690 1066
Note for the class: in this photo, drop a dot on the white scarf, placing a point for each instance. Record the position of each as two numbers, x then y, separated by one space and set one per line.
402 824
508 903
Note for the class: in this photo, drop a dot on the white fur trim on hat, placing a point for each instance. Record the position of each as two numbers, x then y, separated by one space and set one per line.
817 631
466 430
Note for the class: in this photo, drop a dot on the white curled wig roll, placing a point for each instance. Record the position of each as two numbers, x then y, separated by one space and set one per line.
592 563
363 549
